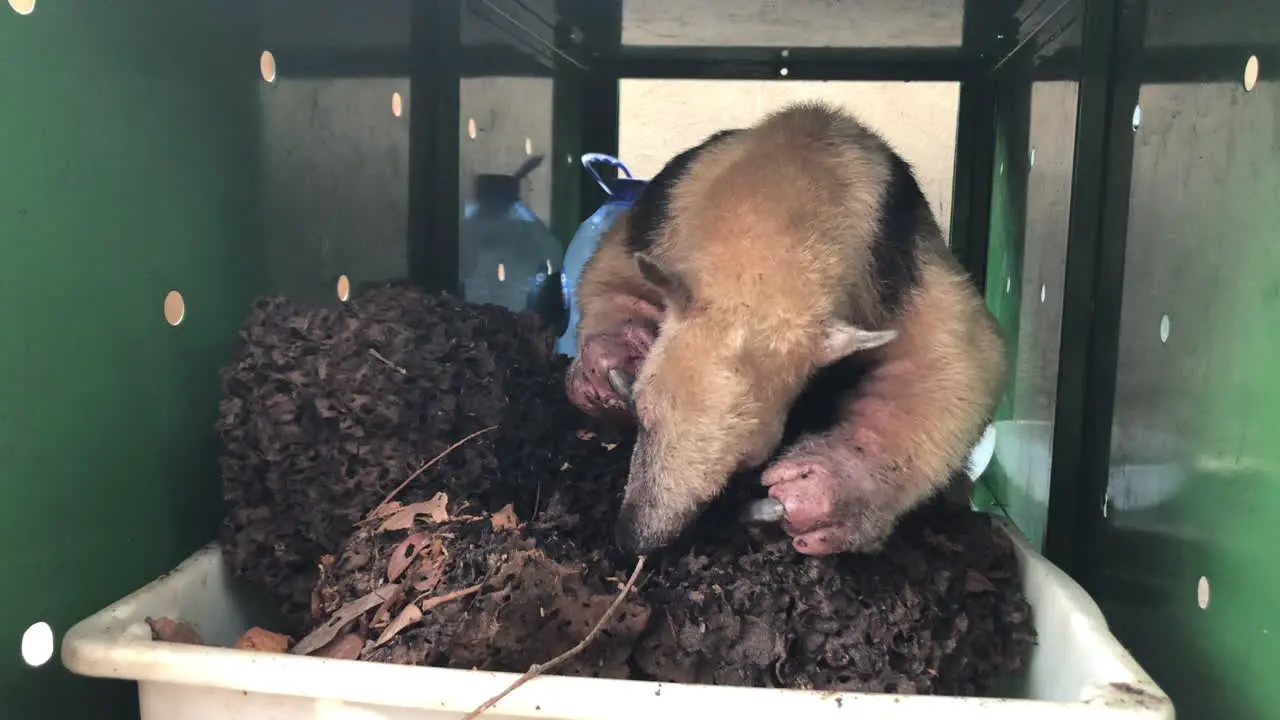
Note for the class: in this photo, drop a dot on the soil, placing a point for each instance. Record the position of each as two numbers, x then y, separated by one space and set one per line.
501 555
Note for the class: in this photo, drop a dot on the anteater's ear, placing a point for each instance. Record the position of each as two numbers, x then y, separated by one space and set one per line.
843 340
674 288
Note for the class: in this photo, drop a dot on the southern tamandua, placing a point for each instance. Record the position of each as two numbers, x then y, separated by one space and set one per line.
752 264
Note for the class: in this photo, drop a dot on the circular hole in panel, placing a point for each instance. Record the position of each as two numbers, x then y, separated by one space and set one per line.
1202 593
1164 328
471 128
1033 157
784 72
23 7
1042 288
344 288
1137 117
1250 73
502 273
528 146
267 65
37 644
175 308
397 104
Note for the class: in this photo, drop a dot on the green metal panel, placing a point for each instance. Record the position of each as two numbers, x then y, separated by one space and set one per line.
1003 290
1193 488
984 39
127 169
1032 177
1158 430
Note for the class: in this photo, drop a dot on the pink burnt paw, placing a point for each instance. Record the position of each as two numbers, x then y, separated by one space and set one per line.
832 503
588 385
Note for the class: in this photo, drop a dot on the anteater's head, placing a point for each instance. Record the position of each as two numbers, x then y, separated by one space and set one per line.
711 399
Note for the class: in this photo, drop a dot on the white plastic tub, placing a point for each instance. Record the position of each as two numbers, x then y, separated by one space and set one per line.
1077 671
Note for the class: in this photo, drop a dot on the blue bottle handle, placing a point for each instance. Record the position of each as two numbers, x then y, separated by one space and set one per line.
589 159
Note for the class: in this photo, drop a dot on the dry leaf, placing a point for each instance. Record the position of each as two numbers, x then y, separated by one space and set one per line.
429 583
386 510
408 616
402 520
346 647
412 613
404 554
609 446
586 435
169 630
435 508
430 570
262 640
434 602
505 519
383 616
339 620
976 582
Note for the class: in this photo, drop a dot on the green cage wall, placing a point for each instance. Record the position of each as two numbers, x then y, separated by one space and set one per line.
1117 194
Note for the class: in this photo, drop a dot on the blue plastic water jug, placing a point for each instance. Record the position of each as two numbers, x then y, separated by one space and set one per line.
507 255
622 193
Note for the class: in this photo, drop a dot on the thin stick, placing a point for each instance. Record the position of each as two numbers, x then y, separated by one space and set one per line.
387 362
536 670
391 495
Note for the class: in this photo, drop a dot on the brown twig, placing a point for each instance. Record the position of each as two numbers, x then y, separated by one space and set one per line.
536 670
387 362
391 495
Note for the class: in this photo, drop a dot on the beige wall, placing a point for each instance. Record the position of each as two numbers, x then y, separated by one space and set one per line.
662 117
797 23
512 117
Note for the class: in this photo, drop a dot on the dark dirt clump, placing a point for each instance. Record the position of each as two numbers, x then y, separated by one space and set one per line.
326 411
501 556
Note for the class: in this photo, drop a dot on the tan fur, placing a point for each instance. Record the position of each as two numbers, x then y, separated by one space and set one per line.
933 389
762 214
772 233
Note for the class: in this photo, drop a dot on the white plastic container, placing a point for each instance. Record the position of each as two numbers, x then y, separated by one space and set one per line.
1078 671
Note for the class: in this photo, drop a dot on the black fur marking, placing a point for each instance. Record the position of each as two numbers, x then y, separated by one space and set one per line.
820 406
895 249
653 207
